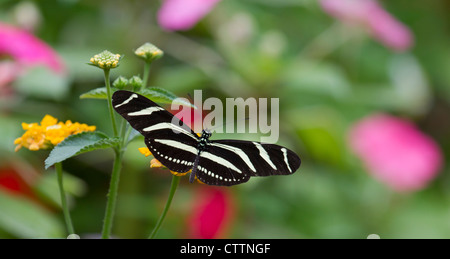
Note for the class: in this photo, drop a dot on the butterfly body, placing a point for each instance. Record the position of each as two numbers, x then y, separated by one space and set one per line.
214 162
204 140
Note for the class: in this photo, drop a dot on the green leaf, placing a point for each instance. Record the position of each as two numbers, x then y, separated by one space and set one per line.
161 95
25 219
97 93
79 144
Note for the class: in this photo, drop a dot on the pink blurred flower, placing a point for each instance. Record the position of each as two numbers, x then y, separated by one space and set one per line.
211 214
176 15
396 152
9 70
371 15
27 50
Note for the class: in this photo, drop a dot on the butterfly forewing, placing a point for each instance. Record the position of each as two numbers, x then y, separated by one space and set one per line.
177 156
167 137
148 117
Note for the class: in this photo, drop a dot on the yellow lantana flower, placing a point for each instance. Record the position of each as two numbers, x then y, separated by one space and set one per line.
48 133
145 151
33 138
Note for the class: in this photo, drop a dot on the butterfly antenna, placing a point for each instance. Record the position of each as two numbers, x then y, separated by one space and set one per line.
190 97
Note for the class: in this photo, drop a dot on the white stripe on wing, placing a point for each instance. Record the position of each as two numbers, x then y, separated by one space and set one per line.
238 151
178 145
127 100
146 111
264 155
169 126
286 159
219 160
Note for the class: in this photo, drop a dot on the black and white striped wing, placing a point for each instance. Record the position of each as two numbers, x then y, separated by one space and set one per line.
230 162
171 141
222 162
221 166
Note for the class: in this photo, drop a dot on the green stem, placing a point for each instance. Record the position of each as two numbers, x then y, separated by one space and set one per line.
111 111
123 128
112 196
146 74
127 136
173 188
59 173
115 175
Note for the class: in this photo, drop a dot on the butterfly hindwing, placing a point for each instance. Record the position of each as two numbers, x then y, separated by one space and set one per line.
218 167
260 159
230 162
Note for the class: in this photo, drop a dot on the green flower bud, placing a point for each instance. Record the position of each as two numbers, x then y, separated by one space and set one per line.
136 82
149 52
120 83
106 60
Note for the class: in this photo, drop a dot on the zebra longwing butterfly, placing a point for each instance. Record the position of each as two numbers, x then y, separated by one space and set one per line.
214 162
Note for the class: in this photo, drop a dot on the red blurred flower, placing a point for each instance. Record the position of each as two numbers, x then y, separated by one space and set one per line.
212 213
176 15
27 50
396 152
371 15
13 183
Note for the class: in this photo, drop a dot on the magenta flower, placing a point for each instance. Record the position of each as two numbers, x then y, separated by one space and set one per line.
176 15
27 50
395 152
211 214
369 14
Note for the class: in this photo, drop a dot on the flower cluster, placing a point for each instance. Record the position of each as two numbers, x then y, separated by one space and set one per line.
149 52
106 60
49 132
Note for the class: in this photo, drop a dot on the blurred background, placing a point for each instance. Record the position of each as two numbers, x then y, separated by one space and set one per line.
364 90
